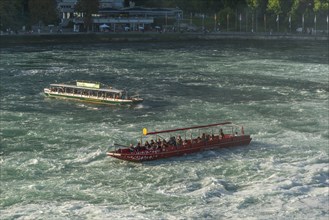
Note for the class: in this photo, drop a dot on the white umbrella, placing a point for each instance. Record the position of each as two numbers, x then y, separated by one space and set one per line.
104 26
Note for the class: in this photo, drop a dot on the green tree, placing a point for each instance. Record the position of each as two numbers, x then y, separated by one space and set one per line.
274 6
43 11
88 8
225 16
302 6
302 12
13 14
321 5
253 5
186 5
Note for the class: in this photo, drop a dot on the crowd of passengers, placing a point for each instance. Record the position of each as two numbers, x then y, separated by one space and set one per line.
88 93
173 141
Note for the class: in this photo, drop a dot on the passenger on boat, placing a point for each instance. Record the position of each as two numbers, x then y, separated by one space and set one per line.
159 142
147 145
172 141
138 147
222 133
164 143
179 141
131 148
143 147
153 143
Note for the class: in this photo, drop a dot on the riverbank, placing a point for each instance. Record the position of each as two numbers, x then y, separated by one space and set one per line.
23 39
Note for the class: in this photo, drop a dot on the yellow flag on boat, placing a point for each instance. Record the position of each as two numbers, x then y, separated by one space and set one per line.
145 131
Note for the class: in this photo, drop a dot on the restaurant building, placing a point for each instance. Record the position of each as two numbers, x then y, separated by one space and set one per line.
113 16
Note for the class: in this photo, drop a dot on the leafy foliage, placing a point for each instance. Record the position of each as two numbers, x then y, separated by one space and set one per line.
274 6
43 11
253 4
12 13
321 5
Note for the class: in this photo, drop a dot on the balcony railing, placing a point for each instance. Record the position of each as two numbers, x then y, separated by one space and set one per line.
117 20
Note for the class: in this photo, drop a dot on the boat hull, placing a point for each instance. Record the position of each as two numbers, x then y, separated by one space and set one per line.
91 99
174 151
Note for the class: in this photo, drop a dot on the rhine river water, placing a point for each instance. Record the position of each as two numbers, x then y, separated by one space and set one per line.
53 152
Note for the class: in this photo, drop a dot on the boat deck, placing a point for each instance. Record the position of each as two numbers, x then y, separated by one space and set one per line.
187 148
100 98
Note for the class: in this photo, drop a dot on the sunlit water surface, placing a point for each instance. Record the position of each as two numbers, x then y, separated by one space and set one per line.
53 152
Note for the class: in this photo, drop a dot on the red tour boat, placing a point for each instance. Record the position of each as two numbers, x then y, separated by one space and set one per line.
197 138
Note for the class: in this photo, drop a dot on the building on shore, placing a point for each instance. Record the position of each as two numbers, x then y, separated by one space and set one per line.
135 18
66 8
113 16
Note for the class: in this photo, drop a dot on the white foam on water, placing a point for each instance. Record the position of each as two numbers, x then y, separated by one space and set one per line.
54 163
83 156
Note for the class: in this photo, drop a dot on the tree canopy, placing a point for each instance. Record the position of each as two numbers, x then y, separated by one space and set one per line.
43 11
13 13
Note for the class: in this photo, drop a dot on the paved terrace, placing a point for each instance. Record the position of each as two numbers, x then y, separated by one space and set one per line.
106 37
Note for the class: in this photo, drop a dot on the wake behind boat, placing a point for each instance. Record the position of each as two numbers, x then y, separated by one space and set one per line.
214 136
93 92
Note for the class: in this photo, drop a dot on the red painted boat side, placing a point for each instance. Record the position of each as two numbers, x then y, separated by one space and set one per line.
172 151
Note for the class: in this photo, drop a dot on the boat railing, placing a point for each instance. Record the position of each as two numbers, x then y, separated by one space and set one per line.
86 96
187 144
117 146
206 139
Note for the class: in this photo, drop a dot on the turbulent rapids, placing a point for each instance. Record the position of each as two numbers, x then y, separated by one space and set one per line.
53 152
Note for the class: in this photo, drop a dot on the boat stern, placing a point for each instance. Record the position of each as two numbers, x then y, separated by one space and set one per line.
113 154
137 100
46 91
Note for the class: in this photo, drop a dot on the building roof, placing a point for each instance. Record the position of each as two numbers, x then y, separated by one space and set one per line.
141 10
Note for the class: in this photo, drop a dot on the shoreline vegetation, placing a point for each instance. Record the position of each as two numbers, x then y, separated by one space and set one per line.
58 38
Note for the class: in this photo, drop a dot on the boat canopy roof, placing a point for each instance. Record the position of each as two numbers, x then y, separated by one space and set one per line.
111 90
189 128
